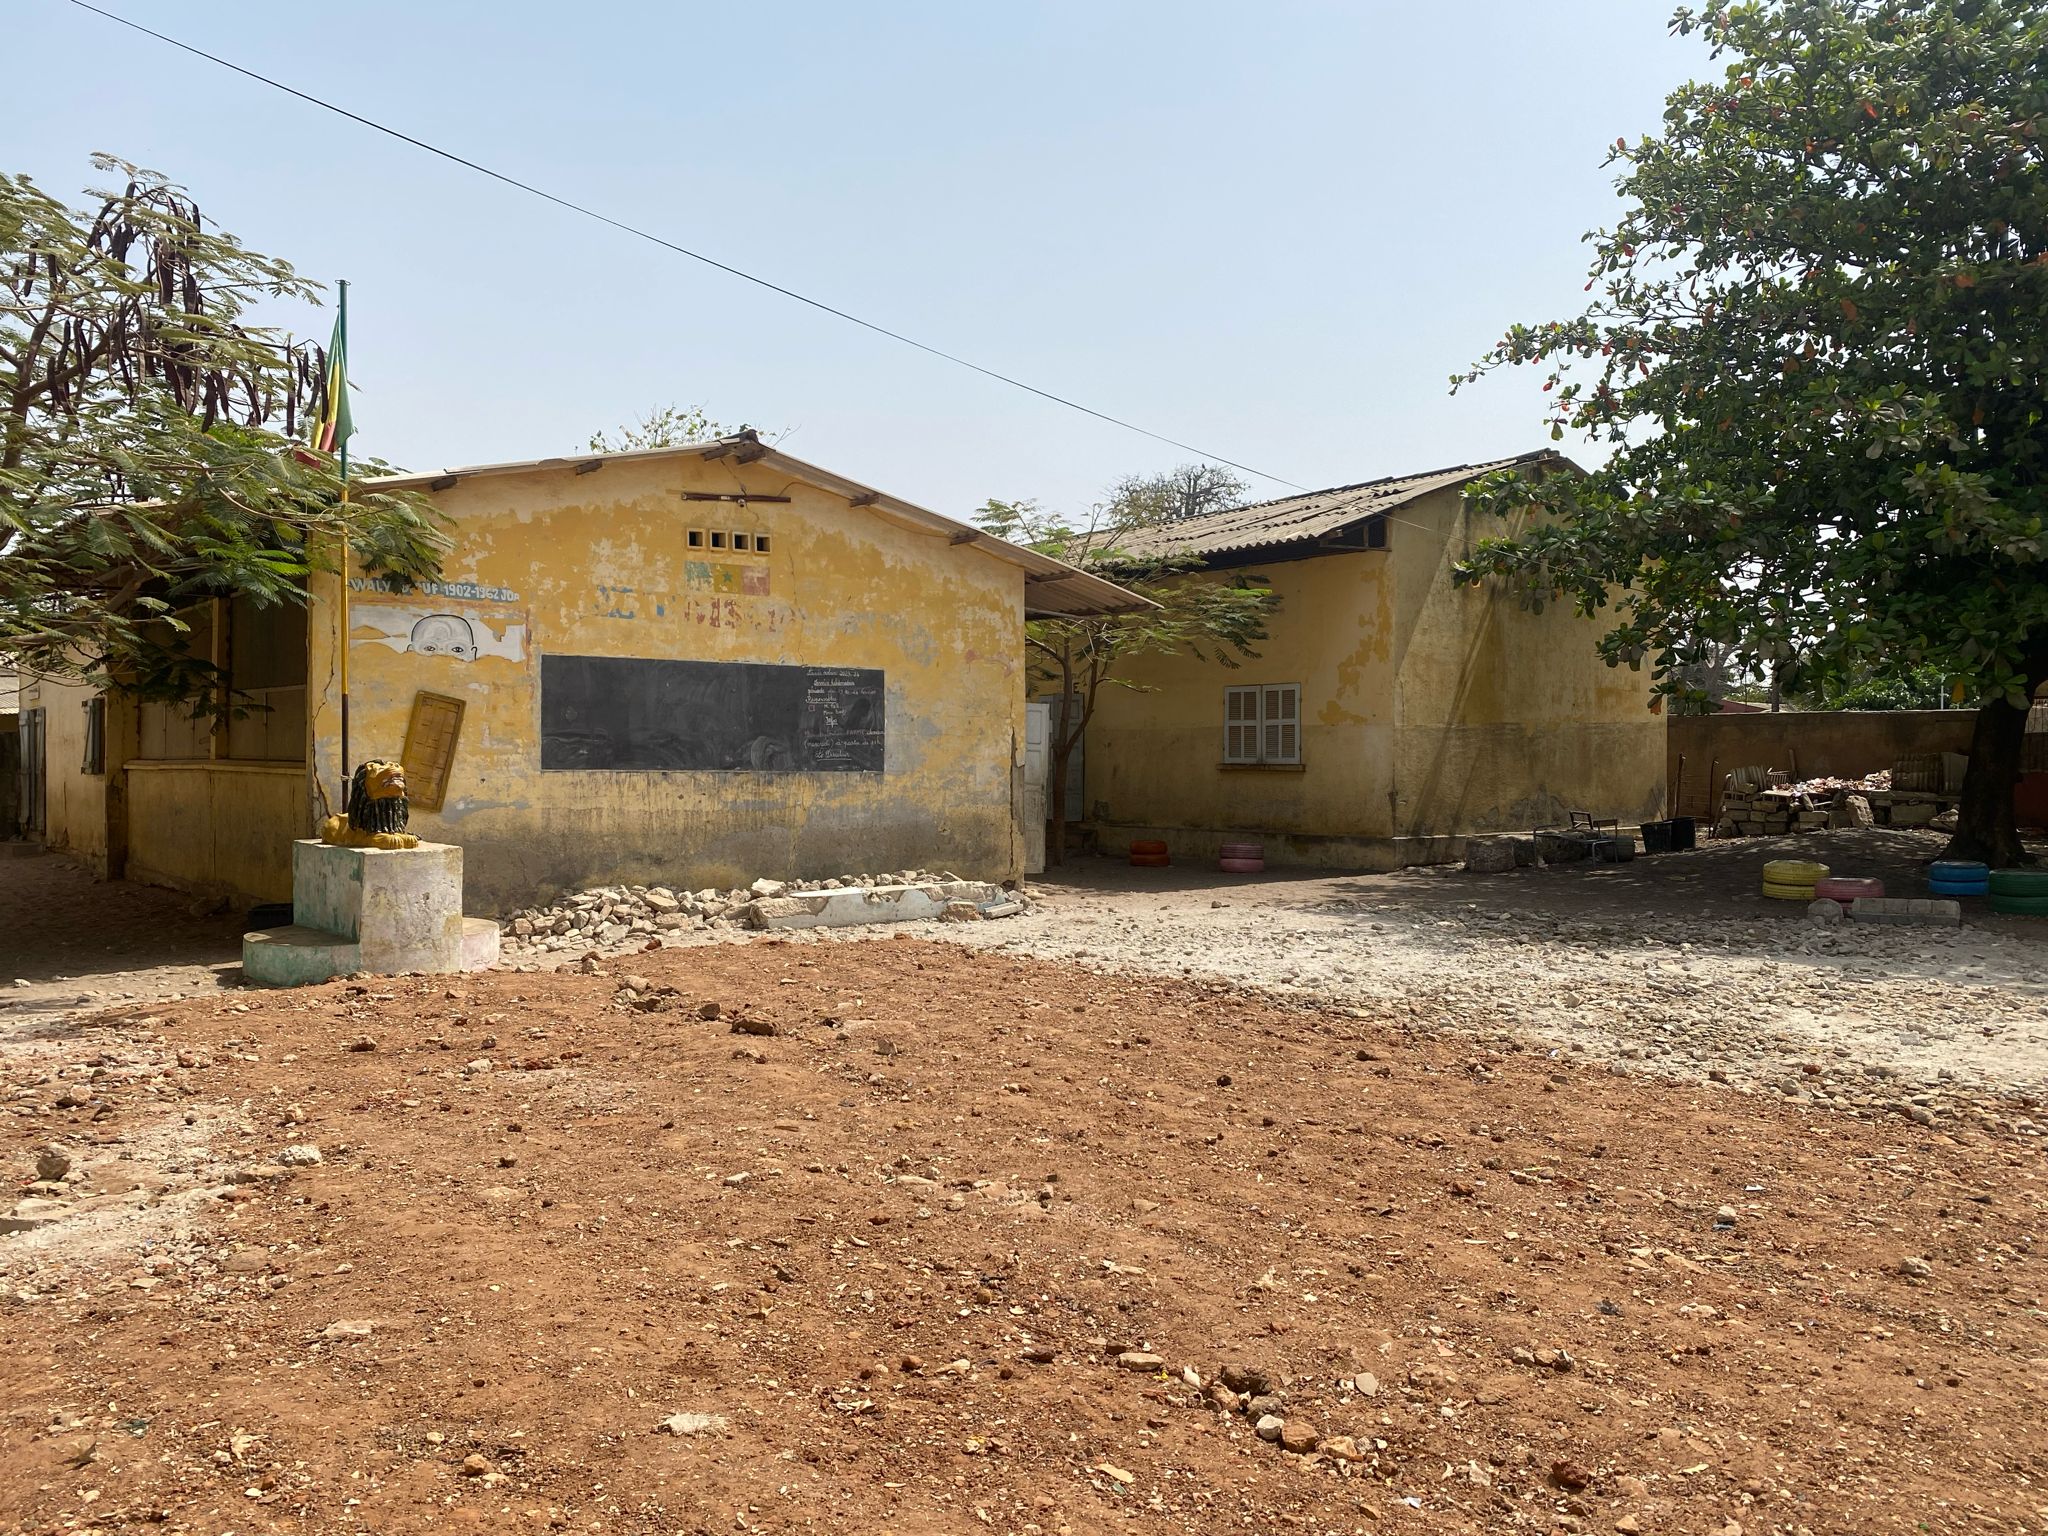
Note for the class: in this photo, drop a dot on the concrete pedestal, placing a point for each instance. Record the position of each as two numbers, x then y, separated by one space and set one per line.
371 909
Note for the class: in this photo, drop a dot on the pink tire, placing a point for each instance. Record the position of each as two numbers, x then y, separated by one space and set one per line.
1242 866
1243 850
1846 888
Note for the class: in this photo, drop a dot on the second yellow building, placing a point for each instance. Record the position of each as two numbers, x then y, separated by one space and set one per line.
1390 711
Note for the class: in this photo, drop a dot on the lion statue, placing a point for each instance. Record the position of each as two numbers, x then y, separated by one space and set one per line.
377 812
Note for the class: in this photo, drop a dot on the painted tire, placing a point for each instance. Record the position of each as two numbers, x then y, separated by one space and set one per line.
1846 888
2021 906
1151 860
1242 866
2018 882
1956 889
1965 870
1794 872
1148 845
1789 892
1242 851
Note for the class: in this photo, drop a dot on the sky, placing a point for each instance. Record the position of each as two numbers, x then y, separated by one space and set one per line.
1270 231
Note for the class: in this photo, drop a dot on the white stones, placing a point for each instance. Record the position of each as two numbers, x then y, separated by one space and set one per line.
347 1328
692 1423
627 916
304 1155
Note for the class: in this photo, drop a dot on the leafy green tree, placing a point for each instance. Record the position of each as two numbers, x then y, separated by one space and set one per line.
1818 356
145 453
1212 618
669 426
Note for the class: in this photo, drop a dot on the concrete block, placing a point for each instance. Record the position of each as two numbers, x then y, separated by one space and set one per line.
1489 855
387 911
1903 910
853 906
1562 847
298 956
479 943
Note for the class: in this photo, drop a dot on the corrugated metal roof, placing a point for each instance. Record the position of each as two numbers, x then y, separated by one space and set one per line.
1052 588
1296 519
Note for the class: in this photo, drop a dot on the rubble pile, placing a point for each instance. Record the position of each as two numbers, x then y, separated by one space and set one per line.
1755 804
612 915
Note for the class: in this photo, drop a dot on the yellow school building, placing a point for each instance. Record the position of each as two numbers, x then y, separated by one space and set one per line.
1389 712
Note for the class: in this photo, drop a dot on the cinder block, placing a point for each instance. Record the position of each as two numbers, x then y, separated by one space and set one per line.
1899 909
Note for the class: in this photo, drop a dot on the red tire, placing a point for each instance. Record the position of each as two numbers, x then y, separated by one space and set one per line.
1846 888
1242 851
1151 860
1148 845
1242 866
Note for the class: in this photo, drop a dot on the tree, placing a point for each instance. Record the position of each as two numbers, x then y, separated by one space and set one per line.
1174 495
1819 357
1209 616
145 461
669 426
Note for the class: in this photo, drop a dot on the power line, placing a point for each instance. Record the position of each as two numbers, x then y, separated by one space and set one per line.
680 250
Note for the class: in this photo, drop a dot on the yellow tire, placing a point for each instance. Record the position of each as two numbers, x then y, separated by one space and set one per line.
1788 892
1794 872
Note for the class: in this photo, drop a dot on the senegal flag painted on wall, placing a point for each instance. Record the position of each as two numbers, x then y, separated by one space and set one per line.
333 427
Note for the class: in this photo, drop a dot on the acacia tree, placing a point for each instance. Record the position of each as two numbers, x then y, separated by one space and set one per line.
1213 620
668 426
1818 354
145 453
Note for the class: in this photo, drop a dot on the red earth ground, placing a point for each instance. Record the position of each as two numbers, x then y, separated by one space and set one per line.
896 1212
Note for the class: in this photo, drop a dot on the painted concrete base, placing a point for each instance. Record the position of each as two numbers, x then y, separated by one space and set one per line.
878 904
386 911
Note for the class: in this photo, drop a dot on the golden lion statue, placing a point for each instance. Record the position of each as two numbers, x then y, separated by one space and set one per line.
377 811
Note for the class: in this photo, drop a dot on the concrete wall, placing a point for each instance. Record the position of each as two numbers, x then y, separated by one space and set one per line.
218 828
1429 711
1509 717
1819 744
1155 757
551 561
75 801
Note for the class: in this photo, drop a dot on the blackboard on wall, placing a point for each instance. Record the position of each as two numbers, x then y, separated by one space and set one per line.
621 712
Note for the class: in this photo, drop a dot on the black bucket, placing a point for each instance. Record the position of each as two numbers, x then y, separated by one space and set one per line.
1684 833
1657 837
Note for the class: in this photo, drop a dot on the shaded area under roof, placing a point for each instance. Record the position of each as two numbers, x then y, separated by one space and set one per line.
1296 519
1052 588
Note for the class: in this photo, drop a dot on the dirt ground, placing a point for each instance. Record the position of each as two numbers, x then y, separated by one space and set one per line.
914 1237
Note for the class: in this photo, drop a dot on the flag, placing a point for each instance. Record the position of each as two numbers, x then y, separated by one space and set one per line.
333 426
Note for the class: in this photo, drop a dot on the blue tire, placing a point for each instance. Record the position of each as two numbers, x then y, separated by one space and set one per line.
1956 888
1965 871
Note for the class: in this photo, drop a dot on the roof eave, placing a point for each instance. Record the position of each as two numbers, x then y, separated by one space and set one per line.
1082 594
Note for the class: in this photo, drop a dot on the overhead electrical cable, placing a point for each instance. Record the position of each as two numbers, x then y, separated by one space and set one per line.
680 250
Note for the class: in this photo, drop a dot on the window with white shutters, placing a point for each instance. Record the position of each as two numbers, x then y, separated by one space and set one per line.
1262 724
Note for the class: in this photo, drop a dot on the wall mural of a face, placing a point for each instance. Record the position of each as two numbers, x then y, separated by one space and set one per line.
444 634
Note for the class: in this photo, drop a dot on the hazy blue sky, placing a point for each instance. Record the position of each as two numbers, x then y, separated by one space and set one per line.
1272 230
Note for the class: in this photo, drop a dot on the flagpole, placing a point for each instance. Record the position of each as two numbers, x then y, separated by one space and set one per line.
335 407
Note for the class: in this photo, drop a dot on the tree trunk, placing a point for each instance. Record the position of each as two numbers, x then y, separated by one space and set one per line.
1056 809
1985 827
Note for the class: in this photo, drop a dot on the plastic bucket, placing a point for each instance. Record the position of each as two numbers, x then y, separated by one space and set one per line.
1657 837
1685 833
